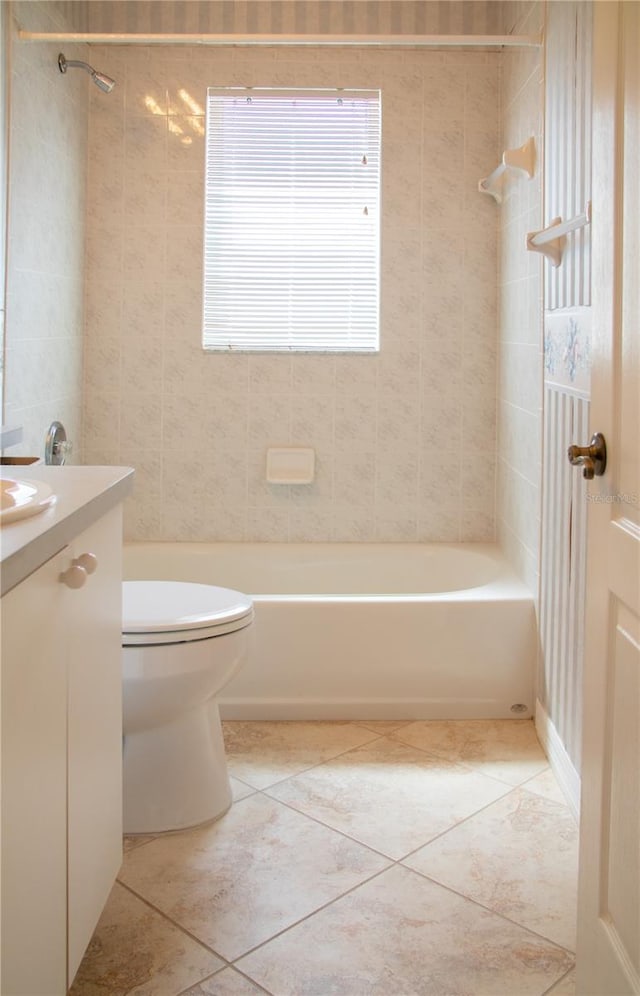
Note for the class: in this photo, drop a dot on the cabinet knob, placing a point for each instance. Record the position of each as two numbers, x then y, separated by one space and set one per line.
74 576
88 561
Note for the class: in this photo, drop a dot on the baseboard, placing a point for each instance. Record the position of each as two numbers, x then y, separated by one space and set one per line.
561 764
345 709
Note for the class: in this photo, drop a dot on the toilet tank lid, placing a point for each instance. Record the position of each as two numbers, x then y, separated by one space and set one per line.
168 606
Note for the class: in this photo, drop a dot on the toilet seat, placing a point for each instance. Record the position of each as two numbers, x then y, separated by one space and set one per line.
180 612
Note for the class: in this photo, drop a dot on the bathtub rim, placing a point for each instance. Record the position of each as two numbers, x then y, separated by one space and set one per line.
505 585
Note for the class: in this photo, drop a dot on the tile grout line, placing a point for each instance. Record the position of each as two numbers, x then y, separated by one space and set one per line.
392 862
488 909
488 805
472 766
308 916
459 823
243 783
549 991
399 862
390 736
136 846
174 923
375 737
265 792
558 802
229 963
274 785
311 767
326 826
208 978
509 788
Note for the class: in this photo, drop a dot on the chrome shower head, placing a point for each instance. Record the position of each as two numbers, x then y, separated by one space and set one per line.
101 80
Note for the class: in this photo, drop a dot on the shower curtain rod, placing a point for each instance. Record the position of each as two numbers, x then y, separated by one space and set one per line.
400 41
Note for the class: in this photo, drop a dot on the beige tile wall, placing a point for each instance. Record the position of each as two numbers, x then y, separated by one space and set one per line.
46 229
405 440
520 317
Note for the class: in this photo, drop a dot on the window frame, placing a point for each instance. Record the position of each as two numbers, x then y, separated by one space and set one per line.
330 292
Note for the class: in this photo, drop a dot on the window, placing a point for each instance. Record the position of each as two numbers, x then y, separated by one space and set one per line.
292 220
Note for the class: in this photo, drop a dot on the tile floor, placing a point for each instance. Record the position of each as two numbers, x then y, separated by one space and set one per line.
377 858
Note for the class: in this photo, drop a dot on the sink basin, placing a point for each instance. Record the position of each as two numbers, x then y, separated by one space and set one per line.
20 499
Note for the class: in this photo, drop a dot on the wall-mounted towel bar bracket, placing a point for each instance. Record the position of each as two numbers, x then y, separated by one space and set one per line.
552 240
523 159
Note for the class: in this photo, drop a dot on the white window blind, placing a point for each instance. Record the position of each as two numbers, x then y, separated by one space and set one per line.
292 220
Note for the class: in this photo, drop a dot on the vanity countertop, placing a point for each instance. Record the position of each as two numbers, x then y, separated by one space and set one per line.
83 495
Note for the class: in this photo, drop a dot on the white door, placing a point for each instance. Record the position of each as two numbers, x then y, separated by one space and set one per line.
609 894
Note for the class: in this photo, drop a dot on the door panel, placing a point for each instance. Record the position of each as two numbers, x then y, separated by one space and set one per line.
609 892
623 819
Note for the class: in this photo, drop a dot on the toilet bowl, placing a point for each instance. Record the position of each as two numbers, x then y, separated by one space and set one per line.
182 643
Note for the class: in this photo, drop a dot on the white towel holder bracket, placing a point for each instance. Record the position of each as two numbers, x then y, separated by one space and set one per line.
522 159
552 240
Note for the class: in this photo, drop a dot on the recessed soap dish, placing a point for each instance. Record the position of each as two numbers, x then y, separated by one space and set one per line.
290 465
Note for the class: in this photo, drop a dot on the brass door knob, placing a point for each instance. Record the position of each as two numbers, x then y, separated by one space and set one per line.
592 458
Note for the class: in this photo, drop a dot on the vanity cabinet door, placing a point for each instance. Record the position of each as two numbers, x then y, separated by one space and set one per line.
61 739
33 880
95 732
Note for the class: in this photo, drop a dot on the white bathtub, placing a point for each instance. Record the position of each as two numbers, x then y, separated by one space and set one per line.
367 631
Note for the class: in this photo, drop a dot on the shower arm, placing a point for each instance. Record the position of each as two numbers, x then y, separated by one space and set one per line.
104 82
74 62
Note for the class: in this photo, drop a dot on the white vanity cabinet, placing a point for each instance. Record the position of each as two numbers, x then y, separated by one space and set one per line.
94 734
34 775
61 700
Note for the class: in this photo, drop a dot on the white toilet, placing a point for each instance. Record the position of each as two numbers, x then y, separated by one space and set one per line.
181 644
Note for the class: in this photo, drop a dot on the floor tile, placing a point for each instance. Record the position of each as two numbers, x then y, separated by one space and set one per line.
566 986
257 870
388 795
382 725
135 951
228 982
507 749
262 754
519 857
240 790
129 841
546 784
401 935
